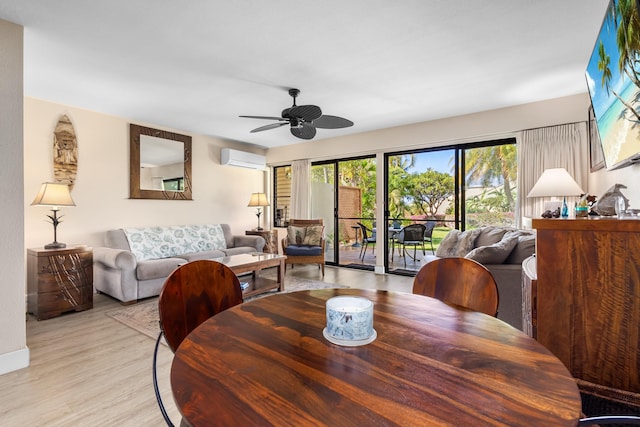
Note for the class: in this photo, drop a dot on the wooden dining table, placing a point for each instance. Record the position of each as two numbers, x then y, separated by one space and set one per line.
266 362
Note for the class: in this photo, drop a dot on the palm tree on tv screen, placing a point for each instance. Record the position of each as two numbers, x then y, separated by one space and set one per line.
623 15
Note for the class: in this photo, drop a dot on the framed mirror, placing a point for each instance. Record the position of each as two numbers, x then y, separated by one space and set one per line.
159 164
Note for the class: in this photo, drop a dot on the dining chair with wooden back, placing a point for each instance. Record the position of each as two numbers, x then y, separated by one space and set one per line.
459 281
607 405
191 294
610 419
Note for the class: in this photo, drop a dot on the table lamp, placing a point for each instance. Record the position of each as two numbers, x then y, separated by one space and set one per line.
258 200
556 182
54 194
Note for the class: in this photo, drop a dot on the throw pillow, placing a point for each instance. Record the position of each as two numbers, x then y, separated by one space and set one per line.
496 253
313 235
448 245
466 241
296 234
457 243
490 235
525 247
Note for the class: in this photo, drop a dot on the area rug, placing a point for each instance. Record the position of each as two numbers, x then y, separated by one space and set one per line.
143 317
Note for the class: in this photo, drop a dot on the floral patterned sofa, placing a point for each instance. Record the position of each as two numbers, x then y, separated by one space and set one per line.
136 261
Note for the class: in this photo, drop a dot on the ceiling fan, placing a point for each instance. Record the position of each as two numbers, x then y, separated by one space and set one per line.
303 119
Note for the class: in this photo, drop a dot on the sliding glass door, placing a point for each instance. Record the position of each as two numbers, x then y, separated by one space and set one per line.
343 194
461 187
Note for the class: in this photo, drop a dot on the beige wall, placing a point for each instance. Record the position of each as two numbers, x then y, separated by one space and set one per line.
14 353
505 122
600 181
101 191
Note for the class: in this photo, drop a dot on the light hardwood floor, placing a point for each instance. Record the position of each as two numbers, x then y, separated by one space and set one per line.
90 370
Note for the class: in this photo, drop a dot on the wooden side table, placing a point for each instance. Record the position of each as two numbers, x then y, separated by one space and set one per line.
270 236
59 280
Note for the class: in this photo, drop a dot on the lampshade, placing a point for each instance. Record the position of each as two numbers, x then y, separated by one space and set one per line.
555 182
53 194
258 199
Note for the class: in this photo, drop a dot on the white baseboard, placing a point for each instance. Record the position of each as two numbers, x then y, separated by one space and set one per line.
379 269
13 361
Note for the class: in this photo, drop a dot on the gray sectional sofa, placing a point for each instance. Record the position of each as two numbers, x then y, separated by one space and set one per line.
501 250
135 262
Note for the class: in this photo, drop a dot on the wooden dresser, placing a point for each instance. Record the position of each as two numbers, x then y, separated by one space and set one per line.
59 280
588 297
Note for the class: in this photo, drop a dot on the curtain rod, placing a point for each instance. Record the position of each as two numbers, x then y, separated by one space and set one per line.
562 124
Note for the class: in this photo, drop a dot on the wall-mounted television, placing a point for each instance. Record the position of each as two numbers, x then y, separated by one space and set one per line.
613 79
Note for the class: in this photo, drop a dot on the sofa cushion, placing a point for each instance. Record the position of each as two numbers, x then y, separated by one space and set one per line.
496 253
457 243
240 250
303 250
169 241
157 268
524 249
196 256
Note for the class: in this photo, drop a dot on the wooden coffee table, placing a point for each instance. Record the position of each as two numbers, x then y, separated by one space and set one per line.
253 263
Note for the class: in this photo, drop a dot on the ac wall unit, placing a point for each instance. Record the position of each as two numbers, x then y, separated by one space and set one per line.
231 157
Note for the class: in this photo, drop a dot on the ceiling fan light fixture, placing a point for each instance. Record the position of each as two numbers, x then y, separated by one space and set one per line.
303 119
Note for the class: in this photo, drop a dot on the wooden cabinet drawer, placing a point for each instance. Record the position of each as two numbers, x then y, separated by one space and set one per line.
52 304
61 263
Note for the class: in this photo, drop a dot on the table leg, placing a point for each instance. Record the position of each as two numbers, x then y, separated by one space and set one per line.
356 244
281 276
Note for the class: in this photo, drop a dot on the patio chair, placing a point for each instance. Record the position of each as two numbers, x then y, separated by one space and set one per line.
428 232
192 293
411 235
366 239
459 281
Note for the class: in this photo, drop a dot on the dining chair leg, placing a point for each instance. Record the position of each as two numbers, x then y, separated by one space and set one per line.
610 419
362 248
156 389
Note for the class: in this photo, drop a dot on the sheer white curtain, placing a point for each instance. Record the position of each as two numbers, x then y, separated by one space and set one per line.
300 185
563 146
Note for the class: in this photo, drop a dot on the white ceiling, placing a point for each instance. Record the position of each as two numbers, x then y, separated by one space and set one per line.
196 66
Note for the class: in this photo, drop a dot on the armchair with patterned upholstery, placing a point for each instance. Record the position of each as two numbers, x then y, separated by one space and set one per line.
304 243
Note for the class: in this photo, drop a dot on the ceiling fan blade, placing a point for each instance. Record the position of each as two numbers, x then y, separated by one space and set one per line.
332 122
304 131
263 117
306 112
267 127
